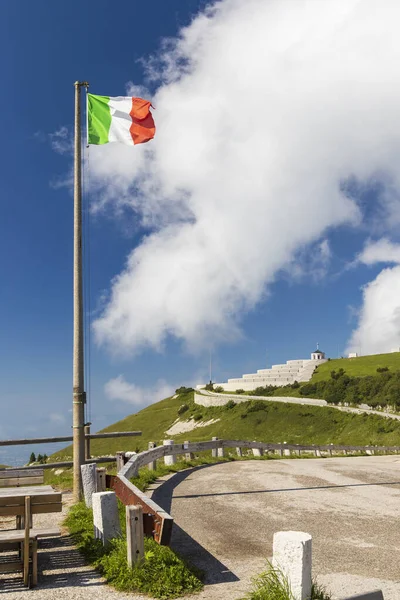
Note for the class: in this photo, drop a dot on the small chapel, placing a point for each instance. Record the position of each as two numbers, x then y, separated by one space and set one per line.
317 354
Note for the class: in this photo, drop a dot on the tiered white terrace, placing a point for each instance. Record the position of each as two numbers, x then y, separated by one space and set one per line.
278 375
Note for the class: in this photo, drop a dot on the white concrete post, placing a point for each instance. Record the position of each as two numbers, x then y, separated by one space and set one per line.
89 482
171 459
134 534
105 517
214 451
239 451
188 455
221 451
318 452
153 464
292 554
257 451
286 451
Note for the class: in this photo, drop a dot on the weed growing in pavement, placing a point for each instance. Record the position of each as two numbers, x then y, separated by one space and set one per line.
161 574
272 584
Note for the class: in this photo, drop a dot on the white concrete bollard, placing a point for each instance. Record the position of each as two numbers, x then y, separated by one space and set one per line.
171 459
214 451
221 451
286 451
292 554
239 451
105 517
89 482
257 451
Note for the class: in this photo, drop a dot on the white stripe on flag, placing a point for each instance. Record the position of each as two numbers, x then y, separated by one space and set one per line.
120 107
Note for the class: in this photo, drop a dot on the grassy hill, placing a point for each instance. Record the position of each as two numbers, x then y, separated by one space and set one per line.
253 420
358 367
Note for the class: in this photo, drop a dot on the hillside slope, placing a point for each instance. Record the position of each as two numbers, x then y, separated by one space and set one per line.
358 367
253 420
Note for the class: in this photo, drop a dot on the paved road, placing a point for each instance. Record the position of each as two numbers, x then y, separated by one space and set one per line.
226 516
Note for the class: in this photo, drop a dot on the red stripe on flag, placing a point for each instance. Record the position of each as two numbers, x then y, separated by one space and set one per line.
142 128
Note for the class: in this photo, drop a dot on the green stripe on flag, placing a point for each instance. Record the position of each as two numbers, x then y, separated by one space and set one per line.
99 119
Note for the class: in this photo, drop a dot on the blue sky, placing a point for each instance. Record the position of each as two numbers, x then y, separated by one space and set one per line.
302 289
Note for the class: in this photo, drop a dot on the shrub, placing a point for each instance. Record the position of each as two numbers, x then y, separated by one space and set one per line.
268 390
197 416
295 385
219 389
183 408
183 390
161 574
240 391
32 458
230 404
256 405
382 369
209 387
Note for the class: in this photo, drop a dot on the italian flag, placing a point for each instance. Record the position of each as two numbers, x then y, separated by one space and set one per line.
120 119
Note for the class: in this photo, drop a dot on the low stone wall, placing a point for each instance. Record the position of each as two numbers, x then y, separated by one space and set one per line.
221 399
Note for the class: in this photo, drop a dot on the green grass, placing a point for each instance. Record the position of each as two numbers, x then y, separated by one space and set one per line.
253 420
161 574
272 584
358 367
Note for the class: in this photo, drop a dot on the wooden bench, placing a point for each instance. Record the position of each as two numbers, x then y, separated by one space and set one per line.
27 502
19 477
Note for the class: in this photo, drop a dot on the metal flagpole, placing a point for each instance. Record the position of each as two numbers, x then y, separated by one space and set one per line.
78 404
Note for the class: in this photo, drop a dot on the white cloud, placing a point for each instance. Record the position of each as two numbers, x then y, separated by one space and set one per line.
62 141
57 418
381 251
378 328
120 389
312 261
262 111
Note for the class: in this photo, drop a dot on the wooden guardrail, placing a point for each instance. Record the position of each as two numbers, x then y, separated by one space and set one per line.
88 436
156 521
65 463
68 438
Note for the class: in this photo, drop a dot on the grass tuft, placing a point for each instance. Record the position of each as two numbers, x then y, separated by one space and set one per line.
272 584
161 574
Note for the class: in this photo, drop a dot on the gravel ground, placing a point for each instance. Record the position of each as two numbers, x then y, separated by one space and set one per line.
62 571
226 515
